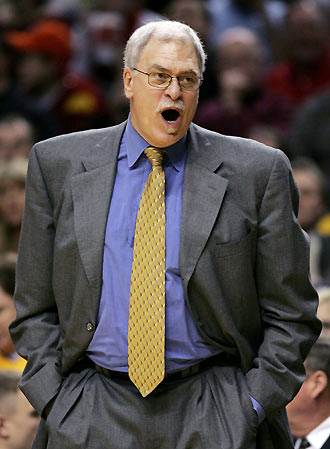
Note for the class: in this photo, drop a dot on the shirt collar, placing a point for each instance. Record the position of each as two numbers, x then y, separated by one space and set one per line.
318 436
136 145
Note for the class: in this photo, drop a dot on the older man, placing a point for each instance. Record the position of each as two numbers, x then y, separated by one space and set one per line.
309 412
163 298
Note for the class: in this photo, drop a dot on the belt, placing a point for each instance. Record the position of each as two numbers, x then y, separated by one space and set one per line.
217 360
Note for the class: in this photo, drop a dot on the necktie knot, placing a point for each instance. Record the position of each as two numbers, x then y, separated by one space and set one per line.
155 156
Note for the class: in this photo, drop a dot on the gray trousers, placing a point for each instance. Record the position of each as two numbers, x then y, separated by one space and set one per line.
208 410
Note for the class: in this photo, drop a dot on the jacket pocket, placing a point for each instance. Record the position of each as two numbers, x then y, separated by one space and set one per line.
241 246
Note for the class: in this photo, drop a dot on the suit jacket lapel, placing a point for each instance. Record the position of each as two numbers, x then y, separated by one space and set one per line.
203 192
91 191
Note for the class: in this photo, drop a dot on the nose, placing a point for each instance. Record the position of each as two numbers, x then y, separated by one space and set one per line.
174 90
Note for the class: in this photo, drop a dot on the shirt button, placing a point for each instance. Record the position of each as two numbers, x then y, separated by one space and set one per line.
90 327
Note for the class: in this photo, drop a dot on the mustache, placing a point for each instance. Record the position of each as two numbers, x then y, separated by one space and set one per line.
165 104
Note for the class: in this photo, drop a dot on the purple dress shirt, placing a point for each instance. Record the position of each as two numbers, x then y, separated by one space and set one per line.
183 344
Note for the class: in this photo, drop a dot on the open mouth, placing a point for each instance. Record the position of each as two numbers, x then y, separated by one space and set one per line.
170 115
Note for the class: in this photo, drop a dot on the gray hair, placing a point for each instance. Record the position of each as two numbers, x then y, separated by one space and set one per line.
164 30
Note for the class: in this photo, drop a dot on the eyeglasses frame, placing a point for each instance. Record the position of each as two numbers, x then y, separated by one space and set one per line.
171 77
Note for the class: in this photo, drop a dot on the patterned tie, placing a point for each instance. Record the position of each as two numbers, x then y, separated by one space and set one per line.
146 327
304 444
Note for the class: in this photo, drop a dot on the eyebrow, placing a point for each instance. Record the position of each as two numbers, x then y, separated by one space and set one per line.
164 69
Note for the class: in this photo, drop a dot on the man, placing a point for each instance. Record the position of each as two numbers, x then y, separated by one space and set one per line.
240 310
309 412
16 137
305 71
244 102
9 360
312 207
12 104
12 198
18 420
264 17
303 140
44 77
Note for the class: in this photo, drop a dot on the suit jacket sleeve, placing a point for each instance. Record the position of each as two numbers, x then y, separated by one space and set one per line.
35 331
287 300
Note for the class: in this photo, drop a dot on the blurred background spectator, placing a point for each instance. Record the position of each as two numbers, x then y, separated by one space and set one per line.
20 14
12 196
312 206
309 412
9 359
18 420
16 137
244 102
263 17
310 133
12 102
44 51
323 311
305 69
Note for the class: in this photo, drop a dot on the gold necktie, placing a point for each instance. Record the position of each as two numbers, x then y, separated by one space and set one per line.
146 327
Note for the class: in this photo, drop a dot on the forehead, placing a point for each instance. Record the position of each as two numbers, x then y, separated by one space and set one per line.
174 54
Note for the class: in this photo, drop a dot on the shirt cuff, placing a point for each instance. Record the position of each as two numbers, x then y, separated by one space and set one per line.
259 409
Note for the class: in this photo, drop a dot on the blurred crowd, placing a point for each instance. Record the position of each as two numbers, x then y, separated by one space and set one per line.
267 78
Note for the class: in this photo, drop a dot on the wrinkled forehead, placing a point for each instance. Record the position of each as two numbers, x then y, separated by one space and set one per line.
164 49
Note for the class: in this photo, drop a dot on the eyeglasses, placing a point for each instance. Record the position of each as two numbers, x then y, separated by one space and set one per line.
163 80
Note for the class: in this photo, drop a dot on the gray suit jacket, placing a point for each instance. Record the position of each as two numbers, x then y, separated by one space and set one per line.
243 261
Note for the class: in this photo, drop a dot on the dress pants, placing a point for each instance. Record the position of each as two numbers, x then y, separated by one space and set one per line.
207 410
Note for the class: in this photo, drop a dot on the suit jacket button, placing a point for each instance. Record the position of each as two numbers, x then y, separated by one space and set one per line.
90 327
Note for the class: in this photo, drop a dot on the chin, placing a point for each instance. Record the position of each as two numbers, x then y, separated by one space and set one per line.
165 140
173 135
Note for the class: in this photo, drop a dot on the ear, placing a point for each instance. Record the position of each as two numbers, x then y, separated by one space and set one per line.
317 383
128 82
4 434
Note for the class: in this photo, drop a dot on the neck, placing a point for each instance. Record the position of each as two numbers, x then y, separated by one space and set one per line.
313 419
